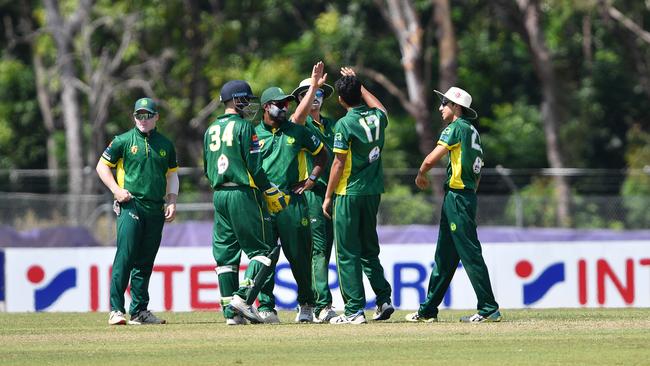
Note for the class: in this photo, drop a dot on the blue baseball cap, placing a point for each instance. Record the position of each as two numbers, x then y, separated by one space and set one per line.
236 89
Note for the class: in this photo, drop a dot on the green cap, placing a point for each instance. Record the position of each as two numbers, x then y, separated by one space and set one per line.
147 104
274 94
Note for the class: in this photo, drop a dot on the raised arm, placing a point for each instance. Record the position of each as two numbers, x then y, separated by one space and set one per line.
318 78
369 98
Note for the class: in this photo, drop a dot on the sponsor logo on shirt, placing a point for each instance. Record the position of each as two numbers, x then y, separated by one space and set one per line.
374 154
134 150
222 164
255 145
315 140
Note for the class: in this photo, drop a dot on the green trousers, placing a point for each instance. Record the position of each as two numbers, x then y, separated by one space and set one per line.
357 250
292 227
138 238
241 223
457 240
322 235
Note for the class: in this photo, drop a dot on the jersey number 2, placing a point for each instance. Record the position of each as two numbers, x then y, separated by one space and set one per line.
216 138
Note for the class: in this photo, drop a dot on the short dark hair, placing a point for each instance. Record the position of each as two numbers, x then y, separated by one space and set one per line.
349 89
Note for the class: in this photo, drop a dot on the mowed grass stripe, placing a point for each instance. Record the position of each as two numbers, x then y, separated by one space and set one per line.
549 336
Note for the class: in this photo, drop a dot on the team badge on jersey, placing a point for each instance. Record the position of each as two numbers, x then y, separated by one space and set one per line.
222 164
163 153
290 140
134 149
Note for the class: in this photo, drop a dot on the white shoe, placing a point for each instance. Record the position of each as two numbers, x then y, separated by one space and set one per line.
145 317
357 318
324 315
269 317
383 312
116 318
236 320
247 311
416 317
305 314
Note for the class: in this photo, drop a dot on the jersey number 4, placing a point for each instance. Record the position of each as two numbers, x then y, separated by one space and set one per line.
369 122
216 138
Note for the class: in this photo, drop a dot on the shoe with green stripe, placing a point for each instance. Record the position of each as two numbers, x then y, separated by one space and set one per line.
478 318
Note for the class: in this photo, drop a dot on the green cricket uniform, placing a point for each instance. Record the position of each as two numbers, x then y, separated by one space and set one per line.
457 238
233 166
142 162
284 151
322 230
359 135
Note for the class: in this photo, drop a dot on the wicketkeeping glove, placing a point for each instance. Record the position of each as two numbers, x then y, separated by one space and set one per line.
276 200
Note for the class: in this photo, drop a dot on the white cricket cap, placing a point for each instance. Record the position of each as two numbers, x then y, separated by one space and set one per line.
460 97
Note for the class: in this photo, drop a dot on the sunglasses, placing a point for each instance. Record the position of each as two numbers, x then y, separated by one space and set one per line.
444 101
143 116
320 93
281 103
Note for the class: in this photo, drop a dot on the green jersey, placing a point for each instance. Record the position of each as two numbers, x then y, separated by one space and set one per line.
325 132
465 155
284 152
142 162
231 154
360 135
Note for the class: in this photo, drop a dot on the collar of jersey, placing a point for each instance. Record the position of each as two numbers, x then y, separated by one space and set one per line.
151 133
283 126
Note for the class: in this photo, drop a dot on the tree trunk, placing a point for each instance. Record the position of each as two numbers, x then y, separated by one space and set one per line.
447 46
62 33
550 104
43 97
404 21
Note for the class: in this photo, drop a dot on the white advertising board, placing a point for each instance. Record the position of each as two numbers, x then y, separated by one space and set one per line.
536 275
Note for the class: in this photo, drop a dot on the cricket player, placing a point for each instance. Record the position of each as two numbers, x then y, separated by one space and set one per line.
285 146
145 192
457 238
233 166
322 232
356 176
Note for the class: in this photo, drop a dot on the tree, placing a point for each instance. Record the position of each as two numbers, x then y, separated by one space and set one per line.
551 105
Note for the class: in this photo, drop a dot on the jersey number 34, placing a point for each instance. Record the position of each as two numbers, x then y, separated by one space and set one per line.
216 138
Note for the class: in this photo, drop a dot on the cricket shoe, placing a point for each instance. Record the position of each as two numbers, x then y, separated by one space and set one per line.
116 317
357 318
247 311
145 317
324 315
236 320
417 318
305 314
478 318
269 317
383 311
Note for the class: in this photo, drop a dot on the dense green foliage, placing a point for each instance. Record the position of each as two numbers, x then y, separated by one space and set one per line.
181 52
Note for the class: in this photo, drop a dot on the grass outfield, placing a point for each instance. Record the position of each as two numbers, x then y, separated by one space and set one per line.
553 336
